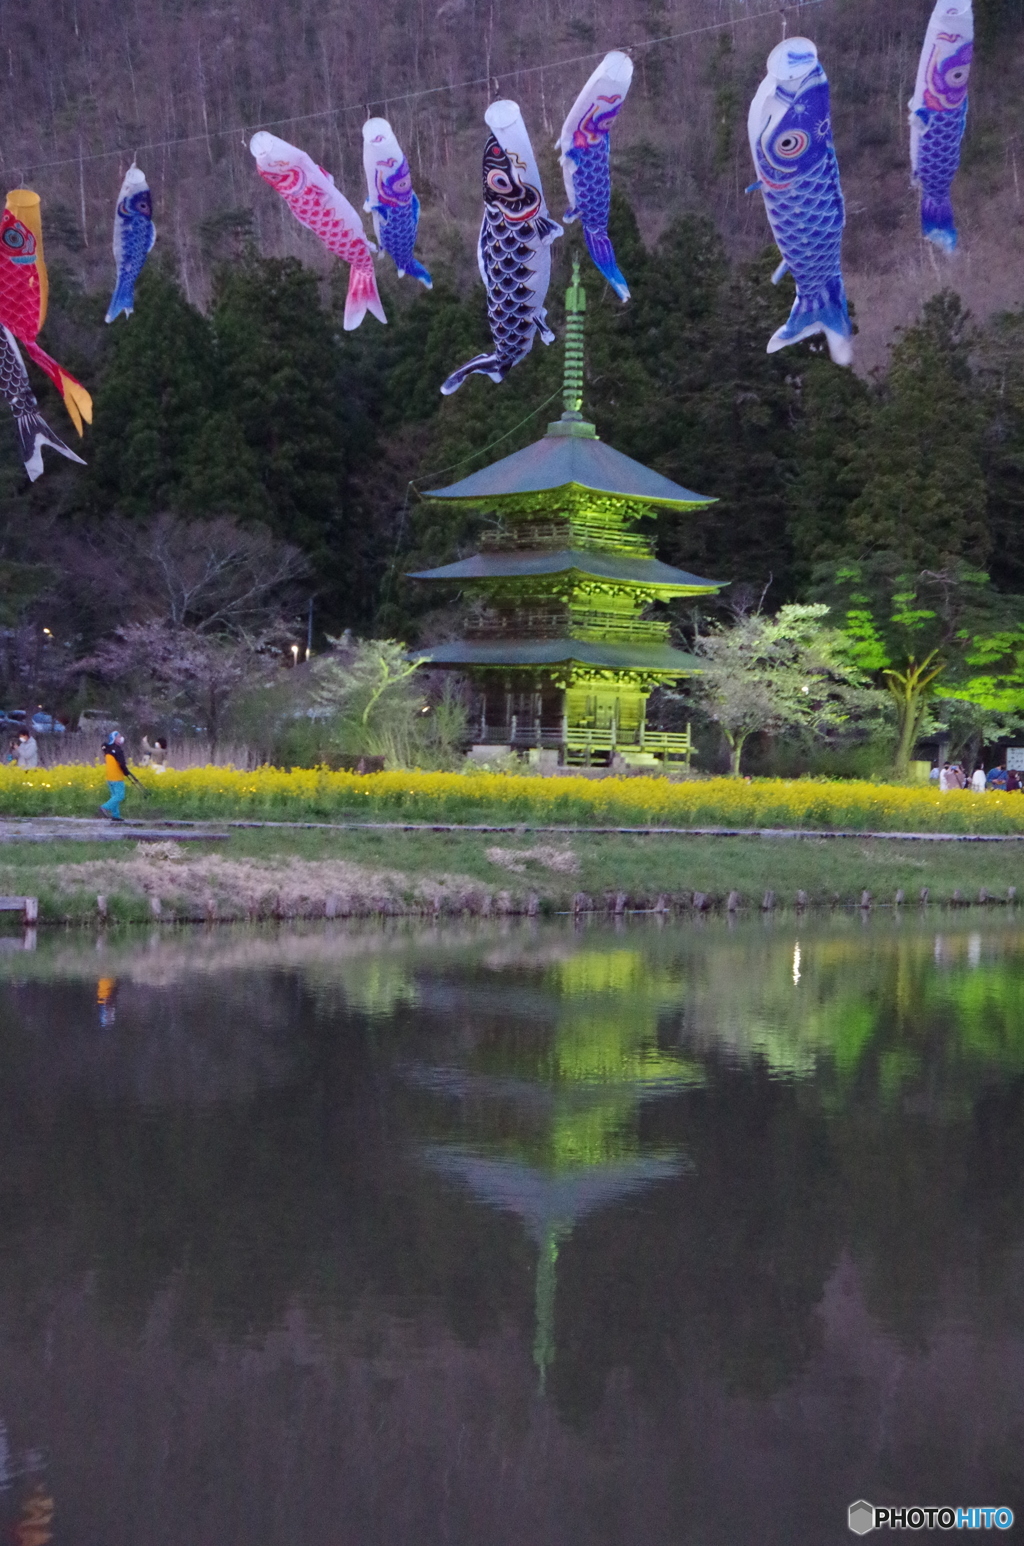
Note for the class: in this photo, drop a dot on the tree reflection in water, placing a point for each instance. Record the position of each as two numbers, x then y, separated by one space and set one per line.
284 1236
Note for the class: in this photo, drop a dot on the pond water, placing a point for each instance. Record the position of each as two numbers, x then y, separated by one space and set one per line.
503 1234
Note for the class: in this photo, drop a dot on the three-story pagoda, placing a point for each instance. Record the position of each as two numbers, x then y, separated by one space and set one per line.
558 639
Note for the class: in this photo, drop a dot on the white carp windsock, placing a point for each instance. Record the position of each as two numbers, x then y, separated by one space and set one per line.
584 144
316 203
514 251
938 115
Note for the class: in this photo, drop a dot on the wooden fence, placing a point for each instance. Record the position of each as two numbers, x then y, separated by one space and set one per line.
187 752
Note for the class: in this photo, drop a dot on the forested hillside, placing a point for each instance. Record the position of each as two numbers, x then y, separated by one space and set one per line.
89 82
233 390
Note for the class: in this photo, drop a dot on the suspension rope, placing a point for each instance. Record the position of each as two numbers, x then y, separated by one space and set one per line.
408 96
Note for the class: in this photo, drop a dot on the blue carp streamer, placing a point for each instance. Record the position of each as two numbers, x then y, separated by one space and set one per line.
938 115
390 198
134 235
798 176
585 147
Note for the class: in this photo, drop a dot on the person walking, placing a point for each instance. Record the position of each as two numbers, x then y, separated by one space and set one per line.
117 770
26 751
946 778
978 782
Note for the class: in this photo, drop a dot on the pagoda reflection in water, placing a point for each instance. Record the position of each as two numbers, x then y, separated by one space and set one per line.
555 1131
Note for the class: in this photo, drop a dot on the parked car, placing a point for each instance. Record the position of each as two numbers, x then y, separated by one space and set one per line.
97 721
46 724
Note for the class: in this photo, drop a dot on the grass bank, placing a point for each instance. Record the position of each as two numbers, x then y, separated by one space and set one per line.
317 794
259 874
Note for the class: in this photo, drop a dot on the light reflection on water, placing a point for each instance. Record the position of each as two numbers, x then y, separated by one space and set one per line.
501 1233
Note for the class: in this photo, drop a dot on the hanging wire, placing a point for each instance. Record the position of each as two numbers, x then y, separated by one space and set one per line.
413 96
439 473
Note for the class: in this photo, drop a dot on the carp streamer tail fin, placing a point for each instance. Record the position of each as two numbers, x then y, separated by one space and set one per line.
417 271
937 223
479 365
362 297
76 399
603 253
823 312
123 299
33 434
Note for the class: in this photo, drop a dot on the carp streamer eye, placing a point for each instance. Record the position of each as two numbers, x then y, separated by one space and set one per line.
13 238
791 144
958 75
500 182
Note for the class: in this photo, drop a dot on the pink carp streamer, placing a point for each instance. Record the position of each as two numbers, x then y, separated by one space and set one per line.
316 203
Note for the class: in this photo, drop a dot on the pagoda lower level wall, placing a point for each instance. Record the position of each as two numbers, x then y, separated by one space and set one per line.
598 704
602 706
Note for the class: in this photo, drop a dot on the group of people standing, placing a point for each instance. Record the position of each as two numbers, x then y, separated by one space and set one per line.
953 775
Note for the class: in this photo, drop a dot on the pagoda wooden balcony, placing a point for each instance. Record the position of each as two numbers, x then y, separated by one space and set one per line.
585 745
542 536
558 623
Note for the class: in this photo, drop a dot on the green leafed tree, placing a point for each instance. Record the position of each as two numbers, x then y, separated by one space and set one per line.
788 673
911 628
996 662
370 697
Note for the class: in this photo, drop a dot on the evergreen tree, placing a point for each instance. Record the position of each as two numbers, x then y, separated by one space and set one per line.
716 410
923 494
828 433
1001 379
296 394
427 334
157 440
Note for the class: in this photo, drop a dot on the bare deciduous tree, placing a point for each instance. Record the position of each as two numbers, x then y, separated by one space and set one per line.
215 576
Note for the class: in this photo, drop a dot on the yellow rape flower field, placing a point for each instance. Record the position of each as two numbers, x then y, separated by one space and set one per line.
320 795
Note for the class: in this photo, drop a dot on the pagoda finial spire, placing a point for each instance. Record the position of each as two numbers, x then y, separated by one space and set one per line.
572 421
575 306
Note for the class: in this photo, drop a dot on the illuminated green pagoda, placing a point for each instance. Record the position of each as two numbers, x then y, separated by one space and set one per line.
558 640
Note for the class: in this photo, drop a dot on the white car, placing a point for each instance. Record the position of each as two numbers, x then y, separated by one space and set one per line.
97 721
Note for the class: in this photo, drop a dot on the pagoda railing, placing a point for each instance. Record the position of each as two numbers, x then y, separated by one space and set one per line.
553 536
558 622
584 743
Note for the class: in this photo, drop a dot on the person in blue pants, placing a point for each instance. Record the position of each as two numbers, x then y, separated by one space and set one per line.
117 771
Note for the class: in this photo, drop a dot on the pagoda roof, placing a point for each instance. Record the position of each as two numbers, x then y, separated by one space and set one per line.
570 456
553 652
601 566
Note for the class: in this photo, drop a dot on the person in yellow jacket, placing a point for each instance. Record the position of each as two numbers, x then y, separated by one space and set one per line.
117 771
